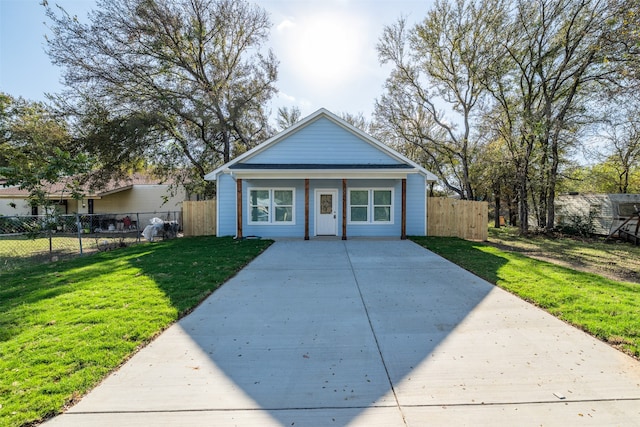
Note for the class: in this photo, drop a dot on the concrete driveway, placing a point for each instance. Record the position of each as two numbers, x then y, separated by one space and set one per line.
365 333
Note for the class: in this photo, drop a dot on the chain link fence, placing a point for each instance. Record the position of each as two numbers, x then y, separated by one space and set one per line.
33 239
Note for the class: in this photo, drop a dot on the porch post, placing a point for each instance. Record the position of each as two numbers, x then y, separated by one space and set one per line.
403 232
239 207
344 209
306 209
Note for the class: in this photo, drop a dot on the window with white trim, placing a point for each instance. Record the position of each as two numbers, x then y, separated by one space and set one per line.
271 205
382 205
371 206
359 205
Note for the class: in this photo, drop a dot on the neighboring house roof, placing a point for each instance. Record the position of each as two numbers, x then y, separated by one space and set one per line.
60 190
398 164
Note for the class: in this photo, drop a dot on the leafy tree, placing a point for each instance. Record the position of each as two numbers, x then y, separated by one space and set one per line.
495 173
37 151
5 105
555 55
433 92
519 76
574 55
178 84
621 133
602 178
624 37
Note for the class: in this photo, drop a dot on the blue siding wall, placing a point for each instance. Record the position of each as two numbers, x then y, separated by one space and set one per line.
416 205
378 230
322 142
274 230
226 205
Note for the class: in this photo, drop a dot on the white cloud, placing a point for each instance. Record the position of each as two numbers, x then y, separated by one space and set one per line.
286 98
284 25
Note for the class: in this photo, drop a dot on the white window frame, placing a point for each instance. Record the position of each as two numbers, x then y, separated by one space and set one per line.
272 206
370 206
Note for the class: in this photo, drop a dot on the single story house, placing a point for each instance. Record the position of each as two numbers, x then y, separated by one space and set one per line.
321 177
138 193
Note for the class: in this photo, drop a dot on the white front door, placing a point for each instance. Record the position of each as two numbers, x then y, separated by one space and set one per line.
326 212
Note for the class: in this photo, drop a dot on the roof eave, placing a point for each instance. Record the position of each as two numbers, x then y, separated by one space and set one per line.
323 173
115 190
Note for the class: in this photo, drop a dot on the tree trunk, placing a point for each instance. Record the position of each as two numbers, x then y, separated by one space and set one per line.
468 189
226 157
523 210
523 204
534 203
522 172
513 207
513 216
551 197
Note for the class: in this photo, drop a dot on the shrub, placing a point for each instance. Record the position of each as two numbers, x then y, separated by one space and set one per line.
579 225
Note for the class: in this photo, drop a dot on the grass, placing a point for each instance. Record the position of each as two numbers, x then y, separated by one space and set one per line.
616 260
64 326
605 308
19 251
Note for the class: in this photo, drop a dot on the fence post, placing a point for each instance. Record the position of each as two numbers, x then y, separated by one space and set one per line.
50 244
79 227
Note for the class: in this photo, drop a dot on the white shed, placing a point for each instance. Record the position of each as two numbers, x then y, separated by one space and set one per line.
609 210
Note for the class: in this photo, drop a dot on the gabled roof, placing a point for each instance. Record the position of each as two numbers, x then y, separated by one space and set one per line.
238 164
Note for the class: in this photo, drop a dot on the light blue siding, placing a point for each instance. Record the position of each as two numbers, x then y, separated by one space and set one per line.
322 142
416 205
377 230
274 230
226 205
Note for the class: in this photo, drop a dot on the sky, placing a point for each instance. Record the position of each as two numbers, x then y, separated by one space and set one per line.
326 49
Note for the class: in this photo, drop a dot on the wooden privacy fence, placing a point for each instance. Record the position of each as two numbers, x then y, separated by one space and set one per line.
199 218
457 218
445 217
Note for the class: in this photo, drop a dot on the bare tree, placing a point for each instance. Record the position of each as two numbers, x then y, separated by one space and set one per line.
358 121
287 117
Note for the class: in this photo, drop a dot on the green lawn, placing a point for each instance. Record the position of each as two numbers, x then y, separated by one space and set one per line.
616 260
22 251
18 251
607 309
65 325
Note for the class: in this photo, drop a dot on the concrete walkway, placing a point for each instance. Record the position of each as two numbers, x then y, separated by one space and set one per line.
365 333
